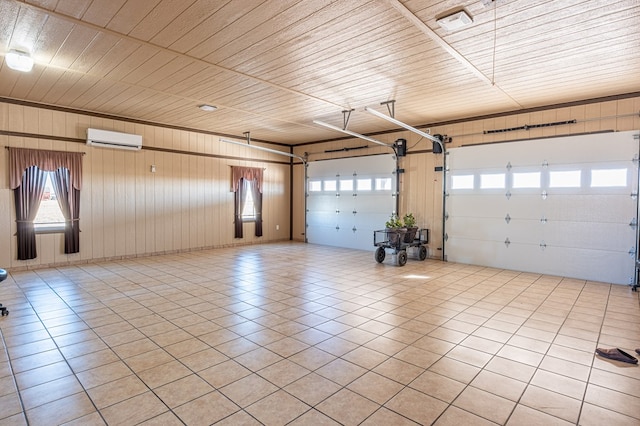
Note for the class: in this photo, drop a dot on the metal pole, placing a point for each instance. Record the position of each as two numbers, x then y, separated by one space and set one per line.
306 176
397 182
444 200
637 257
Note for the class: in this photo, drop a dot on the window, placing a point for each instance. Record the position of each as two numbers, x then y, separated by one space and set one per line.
249 210
526 180
315 185
492 181
246 183
28 177
346 185
49 217
462 182
564 179
383 184
330 185
608 178
363 184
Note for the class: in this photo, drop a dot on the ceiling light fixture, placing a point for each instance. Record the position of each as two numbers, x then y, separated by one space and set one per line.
18 60
207 108
349 132
455 21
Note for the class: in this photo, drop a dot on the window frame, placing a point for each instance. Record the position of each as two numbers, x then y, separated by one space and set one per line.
247 218
49 227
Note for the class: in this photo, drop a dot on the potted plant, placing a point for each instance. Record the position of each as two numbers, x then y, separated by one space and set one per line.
394 228
410 223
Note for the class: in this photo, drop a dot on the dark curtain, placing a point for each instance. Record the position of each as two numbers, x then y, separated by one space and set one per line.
27 197
69 202
240 198
28 187
245 179
257 203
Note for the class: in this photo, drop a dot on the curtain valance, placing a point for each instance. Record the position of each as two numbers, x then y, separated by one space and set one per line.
21 159
248 173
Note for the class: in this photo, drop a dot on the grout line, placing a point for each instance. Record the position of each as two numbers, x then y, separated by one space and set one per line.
13 377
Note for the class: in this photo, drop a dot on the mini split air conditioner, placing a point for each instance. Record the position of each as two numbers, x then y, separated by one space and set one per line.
116 140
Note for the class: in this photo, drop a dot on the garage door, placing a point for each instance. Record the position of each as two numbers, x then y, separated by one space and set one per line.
563 206
348 199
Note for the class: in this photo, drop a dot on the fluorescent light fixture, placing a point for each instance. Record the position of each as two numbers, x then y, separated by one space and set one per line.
406 126
455 21
19 61
208 108
348 132
261 148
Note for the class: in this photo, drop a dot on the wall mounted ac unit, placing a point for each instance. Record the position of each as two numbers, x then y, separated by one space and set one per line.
116 140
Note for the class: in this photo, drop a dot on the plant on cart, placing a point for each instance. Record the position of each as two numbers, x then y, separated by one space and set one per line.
410 223
394 222
395 228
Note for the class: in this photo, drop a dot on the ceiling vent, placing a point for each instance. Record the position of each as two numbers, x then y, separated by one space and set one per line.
455 21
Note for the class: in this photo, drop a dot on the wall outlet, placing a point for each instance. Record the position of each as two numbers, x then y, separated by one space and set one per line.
277 227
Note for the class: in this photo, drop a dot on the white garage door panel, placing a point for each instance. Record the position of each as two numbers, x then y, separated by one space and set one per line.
331 219
591 208
560 150
579 264
525 231
323 219
532 258
525 207
370 203
322 201
497 230
604 237
477 228
324 234
521 257
479 206
585 229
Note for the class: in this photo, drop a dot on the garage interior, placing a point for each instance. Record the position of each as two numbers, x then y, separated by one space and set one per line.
510 129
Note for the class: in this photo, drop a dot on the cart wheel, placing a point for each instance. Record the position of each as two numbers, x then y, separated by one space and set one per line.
402 257
380 254
422 253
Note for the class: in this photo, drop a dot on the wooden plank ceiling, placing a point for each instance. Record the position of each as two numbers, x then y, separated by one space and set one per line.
273 66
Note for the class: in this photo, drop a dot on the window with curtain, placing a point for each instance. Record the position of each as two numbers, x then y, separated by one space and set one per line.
49 218
28 171
244 181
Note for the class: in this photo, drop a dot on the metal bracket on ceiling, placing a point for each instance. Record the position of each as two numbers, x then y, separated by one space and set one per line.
346 115
247 136
391 107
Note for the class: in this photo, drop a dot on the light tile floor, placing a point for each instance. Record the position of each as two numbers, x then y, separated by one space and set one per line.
308 335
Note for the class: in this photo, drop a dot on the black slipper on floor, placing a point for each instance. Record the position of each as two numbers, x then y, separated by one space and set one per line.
617 354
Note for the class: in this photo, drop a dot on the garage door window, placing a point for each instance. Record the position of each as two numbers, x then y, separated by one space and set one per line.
492 181
565 179
364 184
526 180
608 178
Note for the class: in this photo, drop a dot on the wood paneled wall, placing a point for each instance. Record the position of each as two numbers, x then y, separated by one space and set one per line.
421 185
187 205
128 211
